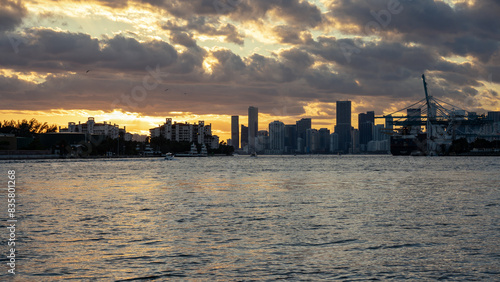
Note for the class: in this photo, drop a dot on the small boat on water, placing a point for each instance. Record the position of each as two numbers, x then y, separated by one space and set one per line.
169 157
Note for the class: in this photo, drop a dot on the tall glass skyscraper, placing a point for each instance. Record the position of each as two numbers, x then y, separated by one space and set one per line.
253 127
235 132
366 124
302 126
277 136
343 127
244 136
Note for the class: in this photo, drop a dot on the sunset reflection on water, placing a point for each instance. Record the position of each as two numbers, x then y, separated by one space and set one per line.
302 217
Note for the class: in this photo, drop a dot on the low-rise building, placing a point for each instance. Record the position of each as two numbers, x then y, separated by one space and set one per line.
196 132
91 127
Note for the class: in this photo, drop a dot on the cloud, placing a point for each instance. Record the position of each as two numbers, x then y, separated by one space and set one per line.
11 14
123 53
465 29
208 27
47 50
291 35
303 67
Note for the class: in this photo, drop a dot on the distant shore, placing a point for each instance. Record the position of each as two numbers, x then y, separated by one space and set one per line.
58 157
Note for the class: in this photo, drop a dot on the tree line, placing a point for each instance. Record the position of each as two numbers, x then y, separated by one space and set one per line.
26 128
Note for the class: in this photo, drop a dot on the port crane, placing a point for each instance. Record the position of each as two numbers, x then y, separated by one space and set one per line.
430 125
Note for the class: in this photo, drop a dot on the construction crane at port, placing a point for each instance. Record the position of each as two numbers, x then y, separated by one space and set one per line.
442 126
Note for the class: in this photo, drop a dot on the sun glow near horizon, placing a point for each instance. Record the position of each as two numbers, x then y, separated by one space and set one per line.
134 123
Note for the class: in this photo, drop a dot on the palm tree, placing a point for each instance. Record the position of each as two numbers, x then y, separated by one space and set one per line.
26 128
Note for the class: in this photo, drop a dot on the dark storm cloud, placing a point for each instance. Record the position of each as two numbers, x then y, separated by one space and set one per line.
297 59
292 35
230 67
52 51
129 54
390 69
183 38
268 69
374 59
461 30
294 12
11 14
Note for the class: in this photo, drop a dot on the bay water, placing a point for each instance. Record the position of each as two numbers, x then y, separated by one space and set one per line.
249 219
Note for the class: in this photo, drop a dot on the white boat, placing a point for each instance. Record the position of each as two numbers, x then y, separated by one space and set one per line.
204 152
169 156
194 152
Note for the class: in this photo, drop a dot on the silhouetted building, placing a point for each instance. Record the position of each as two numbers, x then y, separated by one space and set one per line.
343 127
334 142
312 141
277 137
302 126
365 125
235 132
262 141
354 141
244 137
290 138
179 132
91 127
253 127
494 116
324 141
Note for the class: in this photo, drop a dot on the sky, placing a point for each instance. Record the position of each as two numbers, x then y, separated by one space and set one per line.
137 62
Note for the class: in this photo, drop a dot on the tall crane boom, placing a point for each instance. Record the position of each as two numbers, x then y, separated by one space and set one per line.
427 98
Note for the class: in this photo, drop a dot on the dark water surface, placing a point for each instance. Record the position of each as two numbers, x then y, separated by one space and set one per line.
240 218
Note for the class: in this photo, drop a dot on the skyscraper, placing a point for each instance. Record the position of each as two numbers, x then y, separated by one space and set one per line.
277 136
365 125
302 126
343 127
235 132
290 138
244 136
312 141
253 127
324 140
334 142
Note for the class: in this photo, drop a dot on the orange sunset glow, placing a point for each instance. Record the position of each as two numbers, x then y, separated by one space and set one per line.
135 63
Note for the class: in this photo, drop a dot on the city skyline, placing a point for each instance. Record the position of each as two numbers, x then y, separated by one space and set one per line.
136 62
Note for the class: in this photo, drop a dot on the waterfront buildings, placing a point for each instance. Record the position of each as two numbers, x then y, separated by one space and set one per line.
91 127
196 132
302 138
